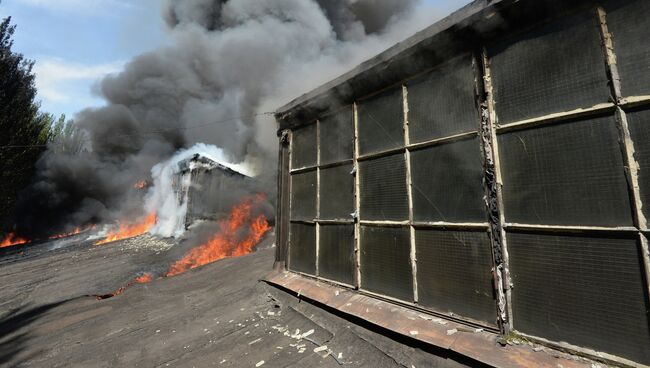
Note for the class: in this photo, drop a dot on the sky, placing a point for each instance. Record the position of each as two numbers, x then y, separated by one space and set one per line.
77 42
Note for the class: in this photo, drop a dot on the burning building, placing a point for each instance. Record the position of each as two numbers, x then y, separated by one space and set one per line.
492 170
206 188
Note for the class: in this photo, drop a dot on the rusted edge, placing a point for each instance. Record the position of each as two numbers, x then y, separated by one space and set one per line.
474 343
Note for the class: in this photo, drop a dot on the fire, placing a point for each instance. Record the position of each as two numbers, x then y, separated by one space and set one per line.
12 239
61 236
126 231
143 279
231 240
147 277
140 185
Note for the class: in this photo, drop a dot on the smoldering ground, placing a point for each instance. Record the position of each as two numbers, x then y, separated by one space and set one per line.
227 62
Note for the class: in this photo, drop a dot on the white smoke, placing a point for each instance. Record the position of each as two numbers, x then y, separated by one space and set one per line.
169 203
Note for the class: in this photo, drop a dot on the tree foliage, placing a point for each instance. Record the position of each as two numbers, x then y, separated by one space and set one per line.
24 131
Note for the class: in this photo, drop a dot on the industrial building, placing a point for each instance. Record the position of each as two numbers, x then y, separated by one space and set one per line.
207 188
491 170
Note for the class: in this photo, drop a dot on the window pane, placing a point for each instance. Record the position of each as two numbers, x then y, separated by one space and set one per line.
336 193
303 147
303 196
337 136
455 273
565 174
386 261
448 183
628 22
587 291
336 253
381 122
554 68
383 189
302 248
442 103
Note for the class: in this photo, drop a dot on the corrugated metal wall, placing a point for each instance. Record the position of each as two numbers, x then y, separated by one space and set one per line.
391 195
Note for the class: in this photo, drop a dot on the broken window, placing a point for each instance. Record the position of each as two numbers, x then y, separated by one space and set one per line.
448 183
336 253
554 68
386 261
337 193
381 122
455 273
441 103
303 147
383 189
565 174
628 22
302 248
585 290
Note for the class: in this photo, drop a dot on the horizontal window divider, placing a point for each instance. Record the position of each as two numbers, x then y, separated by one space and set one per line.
443 140
577 350
634 101
305 222
303 170
557 117
336 222
452 225
385 223
389 152
335 164
561 228
428 312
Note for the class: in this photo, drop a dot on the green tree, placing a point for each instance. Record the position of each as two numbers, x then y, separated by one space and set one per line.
24 130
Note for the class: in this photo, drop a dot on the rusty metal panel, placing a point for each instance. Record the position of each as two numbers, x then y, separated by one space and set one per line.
381 122
303 196
337 193
565 174
553 68
629 21
302 248
386 261
304 147
383 189
584 290
448 182
336 253
455 273
441 103
337 136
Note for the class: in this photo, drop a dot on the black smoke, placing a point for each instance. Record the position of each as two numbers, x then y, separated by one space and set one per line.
228 61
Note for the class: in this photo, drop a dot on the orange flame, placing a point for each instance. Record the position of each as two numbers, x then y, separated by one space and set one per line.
231 240
140 185
12 239
147 277
143 279
61 236
126 231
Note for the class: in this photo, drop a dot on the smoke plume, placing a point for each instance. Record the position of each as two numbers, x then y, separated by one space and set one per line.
228 61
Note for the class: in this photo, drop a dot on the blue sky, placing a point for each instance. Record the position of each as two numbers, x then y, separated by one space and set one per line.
77 42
